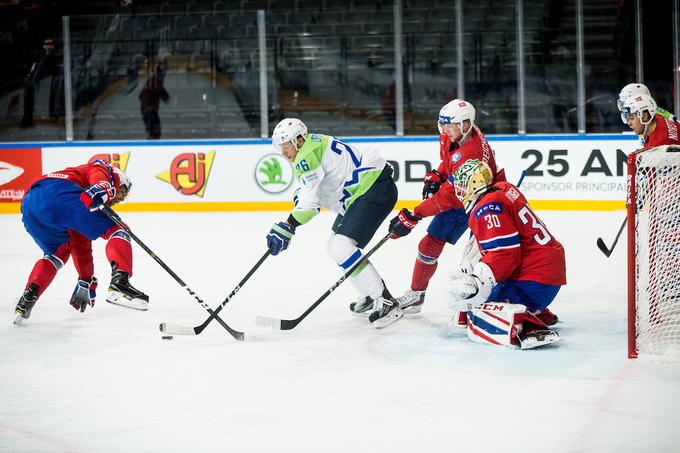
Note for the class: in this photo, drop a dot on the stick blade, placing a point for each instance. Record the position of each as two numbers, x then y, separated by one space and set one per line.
176 329
266 321
603 248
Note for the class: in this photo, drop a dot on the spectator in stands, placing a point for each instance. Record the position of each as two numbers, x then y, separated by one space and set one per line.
44 65
150 97
388 106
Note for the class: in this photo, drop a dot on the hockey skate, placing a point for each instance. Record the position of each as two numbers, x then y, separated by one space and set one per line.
26 303
411 302
362 307
537 338
385 312
547 317
122 293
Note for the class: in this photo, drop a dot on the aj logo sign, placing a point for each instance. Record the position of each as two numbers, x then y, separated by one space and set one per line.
189 173
119 160
273 173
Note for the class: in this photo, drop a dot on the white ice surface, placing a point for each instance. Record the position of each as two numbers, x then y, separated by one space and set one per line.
104 381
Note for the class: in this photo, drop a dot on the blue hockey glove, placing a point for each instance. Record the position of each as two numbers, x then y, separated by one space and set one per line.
97 195
279 237
84 294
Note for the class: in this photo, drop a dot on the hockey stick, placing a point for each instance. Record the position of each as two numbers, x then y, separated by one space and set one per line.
176 329
601 245
288 324
114 217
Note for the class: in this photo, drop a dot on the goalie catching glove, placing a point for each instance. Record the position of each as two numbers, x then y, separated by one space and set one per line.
84 294
472 290
279 237
403 223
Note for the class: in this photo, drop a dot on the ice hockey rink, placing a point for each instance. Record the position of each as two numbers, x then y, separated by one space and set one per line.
105 381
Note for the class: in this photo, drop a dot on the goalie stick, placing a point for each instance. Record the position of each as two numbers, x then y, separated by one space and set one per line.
608 250
176 329
114 217
289 324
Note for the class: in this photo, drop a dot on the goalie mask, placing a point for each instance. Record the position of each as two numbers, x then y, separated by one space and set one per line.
471 180
638 105
456 112
630 90
287 131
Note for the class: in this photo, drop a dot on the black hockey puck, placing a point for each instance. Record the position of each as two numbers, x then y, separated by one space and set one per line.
167 337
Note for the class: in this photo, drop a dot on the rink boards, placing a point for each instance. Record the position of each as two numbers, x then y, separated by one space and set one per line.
566 172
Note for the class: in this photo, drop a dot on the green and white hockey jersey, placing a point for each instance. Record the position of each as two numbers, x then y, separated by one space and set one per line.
666 114
332 174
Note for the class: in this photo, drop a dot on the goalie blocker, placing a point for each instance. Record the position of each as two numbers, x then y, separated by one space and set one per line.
511 325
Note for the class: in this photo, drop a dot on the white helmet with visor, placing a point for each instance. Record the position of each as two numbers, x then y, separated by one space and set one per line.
287 131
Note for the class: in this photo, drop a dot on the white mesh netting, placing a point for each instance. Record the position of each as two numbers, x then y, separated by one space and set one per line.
657 251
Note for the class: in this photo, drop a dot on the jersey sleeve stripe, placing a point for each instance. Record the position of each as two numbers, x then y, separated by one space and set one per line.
503 236
500 242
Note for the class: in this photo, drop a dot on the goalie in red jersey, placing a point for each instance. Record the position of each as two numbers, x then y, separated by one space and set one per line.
521 268
61 213
460 140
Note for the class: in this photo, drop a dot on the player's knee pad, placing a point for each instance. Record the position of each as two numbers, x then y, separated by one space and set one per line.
120 234
60 256
429 249
343 250
55 260
496 323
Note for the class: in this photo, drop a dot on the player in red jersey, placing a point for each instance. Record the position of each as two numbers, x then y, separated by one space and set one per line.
460 140
522 265
61 213
639 112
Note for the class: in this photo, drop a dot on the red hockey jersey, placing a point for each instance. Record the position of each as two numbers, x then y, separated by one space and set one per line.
87 174
514 242
665 133
453 157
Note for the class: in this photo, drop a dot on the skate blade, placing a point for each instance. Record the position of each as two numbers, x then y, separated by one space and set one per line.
392 317
362 315
117 298
533 343
412 310
19 320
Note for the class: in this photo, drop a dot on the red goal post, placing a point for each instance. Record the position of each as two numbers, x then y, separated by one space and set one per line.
653 204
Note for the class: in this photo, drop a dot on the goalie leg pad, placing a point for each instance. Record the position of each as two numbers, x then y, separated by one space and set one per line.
496 323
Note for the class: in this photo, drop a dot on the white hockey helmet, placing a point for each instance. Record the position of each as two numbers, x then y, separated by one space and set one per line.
628 91
125 182
456 112
637 105
471 180
287 131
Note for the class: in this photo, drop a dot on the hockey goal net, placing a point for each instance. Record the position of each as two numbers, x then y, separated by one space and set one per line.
653 203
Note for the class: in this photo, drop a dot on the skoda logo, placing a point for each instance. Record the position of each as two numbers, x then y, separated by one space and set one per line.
273 173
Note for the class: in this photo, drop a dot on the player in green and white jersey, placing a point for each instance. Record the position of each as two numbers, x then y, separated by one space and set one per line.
355 183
